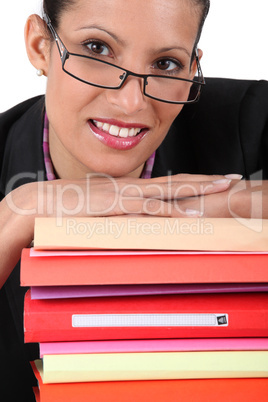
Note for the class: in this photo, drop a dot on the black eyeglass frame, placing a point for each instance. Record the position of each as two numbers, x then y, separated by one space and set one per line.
64 55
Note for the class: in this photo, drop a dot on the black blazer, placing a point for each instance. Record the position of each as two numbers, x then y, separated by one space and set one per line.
225 132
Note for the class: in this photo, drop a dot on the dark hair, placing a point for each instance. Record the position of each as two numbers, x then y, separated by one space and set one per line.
55 8
204 5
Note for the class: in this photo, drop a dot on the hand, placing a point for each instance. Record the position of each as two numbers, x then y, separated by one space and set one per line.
243 199
99 195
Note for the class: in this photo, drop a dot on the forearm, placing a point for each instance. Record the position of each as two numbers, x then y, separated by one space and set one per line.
248 199
96 196
16 231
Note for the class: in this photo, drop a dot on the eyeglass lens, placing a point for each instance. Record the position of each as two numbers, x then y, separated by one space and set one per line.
105 75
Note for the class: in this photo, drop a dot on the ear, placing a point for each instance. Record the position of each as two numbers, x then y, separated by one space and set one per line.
194 65
37 42
200 54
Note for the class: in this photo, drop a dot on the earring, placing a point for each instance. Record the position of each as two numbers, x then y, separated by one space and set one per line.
39 72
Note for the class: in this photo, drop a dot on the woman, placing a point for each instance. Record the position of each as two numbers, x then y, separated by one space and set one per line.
104 115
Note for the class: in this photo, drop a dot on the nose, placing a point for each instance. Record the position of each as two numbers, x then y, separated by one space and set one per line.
129 98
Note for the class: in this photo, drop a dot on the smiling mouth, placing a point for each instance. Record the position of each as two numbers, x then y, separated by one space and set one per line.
116 131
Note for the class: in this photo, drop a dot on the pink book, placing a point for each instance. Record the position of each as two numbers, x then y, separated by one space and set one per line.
154 345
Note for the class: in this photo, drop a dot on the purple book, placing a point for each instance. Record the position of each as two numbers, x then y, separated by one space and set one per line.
60 292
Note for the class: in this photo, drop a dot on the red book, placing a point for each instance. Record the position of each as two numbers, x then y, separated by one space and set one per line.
220 390
147 317
103 268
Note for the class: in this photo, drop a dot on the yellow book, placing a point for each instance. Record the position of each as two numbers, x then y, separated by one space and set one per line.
151 233
152 366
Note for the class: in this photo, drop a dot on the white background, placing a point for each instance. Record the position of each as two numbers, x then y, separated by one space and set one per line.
234 42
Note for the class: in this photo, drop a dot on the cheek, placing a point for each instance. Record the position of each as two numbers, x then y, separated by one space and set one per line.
67 102
166 115
65 93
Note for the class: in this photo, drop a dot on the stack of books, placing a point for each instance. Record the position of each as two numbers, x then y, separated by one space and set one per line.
157 309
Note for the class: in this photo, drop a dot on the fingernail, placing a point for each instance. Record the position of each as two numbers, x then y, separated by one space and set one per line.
222 181
193 212
234 176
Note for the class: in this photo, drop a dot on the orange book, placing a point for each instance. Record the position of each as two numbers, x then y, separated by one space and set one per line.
220 390
151 233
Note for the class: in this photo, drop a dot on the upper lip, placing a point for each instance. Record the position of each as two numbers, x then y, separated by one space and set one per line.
121 124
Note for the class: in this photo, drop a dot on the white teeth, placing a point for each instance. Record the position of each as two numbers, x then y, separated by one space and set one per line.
117 131
114 130
133 132
106 127
124 132
99 124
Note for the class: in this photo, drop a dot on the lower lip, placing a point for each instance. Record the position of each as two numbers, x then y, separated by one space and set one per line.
117 142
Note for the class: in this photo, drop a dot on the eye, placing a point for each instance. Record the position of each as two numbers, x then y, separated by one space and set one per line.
97 48
168 66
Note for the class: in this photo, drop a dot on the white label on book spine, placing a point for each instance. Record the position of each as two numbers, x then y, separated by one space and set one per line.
149 320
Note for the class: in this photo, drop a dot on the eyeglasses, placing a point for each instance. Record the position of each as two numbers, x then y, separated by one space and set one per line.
102 74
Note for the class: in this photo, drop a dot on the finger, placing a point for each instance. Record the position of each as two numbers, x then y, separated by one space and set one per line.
191 177
153 207
212 205
202 177
173 190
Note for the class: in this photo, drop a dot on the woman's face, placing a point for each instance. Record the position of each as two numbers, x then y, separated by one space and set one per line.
145 37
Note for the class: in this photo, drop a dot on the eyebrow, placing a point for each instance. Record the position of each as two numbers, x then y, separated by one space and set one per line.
123 42
168 49
95 26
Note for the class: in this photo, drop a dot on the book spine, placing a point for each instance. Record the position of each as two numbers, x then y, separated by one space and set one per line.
154 366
